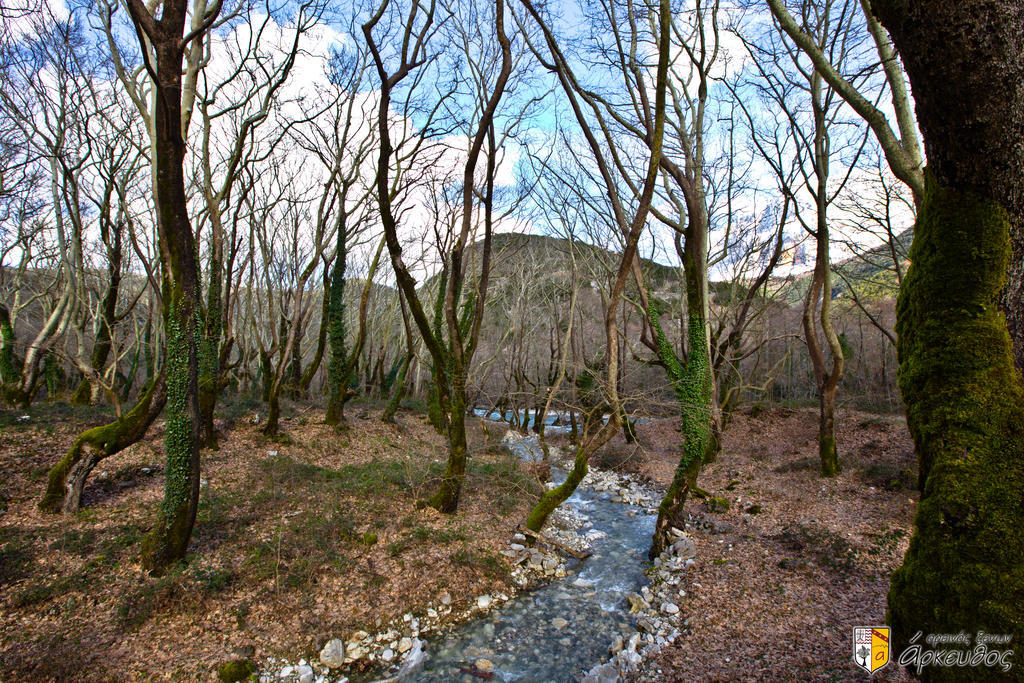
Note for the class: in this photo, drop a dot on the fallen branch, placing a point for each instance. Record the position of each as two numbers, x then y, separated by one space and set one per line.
550 541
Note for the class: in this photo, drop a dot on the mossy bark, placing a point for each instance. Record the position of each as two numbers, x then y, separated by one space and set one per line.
67 478
338 369
552 498
273 412
167 541
692 384
209 349
591 442
10 374
446 499
964 569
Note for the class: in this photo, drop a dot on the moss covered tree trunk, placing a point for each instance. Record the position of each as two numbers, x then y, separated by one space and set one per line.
161 40
447 497
67 478
213 328
692 384
338 369
964 569
9 372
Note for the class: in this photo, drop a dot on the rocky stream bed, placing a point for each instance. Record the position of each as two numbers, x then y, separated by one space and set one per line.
593 620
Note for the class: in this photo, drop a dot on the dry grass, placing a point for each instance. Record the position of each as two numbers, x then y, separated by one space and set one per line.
298 540
797 561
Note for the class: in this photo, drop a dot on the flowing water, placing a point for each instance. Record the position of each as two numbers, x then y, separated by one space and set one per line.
526 639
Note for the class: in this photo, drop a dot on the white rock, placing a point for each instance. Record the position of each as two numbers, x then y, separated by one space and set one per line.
483 602
387 655
404 645
333 654
669 608
484 665
446 598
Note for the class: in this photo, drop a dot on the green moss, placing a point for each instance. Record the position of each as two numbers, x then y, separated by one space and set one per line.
965 565
552 498
105 440
338 370
8 371
236 670
692 384
169 538
828 455
717 505
369 539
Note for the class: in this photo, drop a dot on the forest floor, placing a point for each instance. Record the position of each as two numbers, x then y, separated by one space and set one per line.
298 540
316 534
797 561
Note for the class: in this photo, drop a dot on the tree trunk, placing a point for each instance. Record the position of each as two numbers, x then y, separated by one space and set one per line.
398 392
67 478
87 393
964 569
273 410
168 540
446 499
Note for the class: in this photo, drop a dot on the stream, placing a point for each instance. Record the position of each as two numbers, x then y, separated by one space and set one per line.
559 631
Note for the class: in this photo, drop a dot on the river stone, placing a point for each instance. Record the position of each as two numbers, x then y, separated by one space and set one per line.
387 655
414 662
484 665
669 608
602 673
617 645
483 602
446 598
559 623
636 602
684 548
630 660
404 645
333 654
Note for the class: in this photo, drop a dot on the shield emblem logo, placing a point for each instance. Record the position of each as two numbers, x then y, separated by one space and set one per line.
871 647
